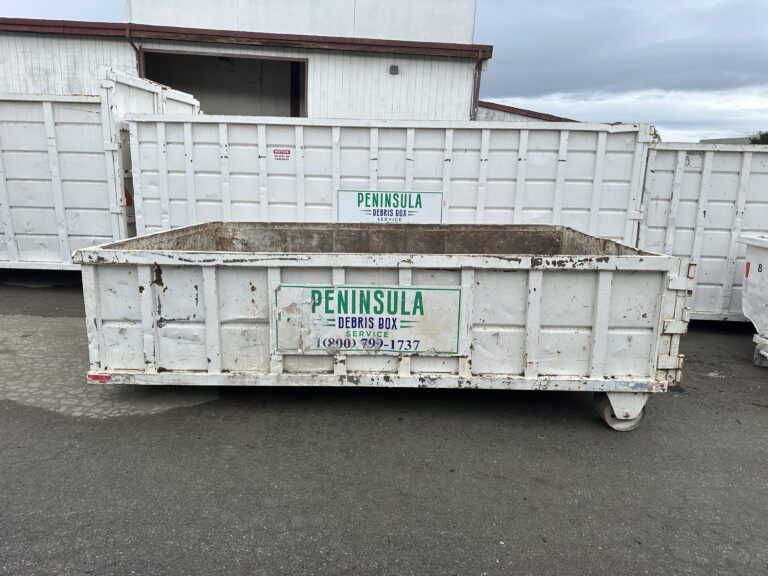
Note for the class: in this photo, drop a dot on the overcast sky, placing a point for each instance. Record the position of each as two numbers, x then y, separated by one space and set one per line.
694 68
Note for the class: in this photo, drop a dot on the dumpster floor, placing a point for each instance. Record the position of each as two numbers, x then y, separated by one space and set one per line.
368 481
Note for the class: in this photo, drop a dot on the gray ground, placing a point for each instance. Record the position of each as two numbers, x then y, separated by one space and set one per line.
322 481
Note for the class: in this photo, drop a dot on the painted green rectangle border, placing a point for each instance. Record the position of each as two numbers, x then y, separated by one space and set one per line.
371 286
340 190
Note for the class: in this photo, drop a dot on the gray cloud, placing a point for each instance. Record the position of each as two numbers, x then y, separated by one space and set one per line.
553 46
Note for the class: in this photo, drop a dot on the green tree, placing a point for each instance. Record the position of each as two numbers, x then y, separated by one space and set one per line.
759 138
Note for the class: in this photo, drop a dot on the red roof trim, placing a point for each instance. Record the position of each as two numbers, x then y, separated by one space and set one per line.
138 31
523 112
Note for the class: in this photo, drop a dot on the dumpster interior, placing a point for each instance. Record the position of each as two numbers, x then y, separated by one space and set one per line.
260 237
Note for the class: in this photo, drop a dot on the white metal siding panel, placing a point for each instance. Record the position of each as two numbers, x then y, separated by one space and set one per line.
359 85
425 20
491 115
699 198
580 175
58 64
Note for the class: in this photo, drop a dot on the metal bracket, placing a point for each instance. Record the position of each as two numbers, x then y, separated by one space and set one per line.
678 283
667 362
675 327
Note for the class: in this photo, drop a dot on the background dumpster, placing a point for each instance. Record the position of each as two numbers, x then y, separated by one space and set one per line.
518 307
755 299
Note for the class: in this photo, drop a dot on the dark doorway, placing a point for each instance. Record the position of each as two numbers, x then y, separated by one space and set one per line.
233 85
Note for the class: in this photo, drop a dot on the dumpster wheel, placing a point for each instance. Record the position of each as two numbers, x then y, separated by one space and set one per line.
604 409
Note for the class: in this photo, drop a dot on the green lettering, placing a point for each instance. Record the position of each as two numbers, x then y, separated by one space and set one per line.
365 302
317 297
403 310
391 303
342 298
372 200
378 298
328 300
418 201
418 304
360 199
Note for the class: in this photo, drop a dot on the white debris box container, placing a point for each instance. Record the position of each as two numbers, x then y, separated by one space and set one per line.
514 307
755 296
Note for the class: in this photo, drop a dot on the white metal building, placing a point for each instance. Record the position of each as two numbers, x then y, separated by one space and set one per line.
416 62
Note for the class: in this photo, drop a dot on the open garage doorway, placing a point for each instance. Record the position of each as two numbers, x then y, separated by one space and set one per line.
233 85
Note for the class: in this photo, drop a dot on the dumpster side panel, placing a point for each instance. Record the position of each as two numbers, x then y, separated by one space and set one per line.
198 169
62 168
54 195
699 198
611 323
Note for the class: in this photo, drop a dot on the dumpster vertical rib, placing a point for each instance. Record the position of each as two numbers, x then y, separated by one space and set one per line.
226 194
373 167
275 357
300 199
649 192
522 168
597 184
261 131
703 206
634 202
162 177
738 220
533 323
189 172
410 138
136 173
93 325
6 220
600 322
58 192
562 156
339 276
212 323
110 133
466 312
447 161
148 317
405 278
482 175
663 346
674 201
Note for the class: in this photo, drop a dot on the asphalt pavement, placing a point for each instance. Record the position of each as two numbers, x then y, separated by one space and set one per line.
104 480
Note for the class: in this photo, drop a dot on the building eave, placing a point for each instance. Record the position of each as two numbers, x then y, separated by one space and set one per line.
144 31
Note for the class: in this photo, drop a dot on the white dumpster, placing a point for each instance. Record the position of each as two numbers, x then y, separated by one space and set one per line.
514 307
755 297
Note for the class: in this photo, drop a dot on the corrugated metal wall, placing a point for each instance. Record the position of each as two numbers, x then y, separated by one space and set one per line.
340 84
